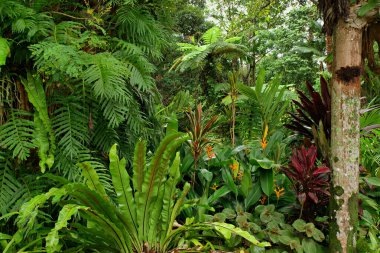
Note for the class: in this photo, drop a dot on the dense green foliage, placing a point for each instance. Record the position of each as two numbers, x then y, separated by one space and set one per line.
166 126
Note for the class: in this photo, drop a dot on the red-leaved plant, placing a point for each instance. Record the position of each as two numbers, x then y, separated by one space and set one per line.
311 183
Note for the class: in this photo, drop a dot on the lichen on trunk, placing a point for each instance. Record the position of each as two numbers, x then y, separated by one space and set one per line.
345 136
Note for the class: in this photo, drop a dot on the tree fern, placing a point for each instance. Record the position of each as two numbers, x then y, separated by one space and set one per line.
17 134
197 56
212 35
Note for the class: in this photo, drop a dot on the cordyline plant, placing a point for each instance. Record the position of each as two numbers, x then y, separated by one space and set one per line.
310 182
313 111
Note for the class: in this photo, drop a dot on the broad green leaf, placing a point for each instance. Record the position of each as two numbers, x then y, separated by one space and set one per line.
121 183
177 207
153 177
265 163
227 229
172 124
92 178
169 197
253 196
318 235
222 191
229 212
37 97
206 175
5 236
227 100
260 81
228 180
52 239
266 181
373 180
299 225
310 246
42 142
246 183
364 9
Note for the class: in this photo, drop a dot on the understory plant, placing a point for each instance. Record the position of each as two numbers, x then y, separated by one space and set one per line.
310 182
141 218
268 224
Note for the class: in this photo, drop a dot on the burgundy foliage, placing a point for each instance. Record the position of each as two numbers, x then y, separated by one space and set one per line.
311 183
311 110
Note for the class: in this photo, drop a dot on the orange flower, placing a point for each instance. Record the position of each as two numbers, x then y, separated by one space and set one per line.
210 152
264 141
279 191
234 166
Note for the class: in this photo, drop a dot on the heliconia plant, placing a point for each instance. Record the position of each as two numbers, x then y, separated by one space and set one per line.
311 183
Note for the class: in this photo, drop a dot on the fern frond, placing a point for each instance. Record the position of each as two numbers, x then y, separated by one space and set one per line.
10 188
67 32
103 136
140 69
141 29
107 76
54 58
212 35
70 124
25 20
17 134
69 169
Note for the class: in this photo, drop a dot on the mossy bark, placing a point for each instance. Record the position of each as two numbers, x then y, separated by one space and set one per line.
345 136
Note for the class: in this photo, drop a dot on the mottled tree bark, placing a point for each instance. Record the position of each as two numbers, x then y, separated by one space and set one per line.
329 49
345 135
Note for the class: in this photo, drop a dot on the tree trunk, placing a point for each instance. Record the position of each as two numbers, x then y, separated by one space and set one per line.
329 47
345 135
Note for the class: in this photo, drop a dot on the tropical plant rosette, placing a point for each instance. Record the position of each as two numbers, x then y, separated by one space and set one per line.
311 183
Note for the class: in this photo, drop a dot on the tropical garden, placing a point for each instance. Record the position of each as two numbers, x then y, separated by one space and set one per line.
190 126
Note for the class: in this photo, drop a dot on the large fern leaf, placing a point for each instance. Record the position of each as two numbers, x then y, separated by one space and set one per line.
10 188
17 134
70 125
